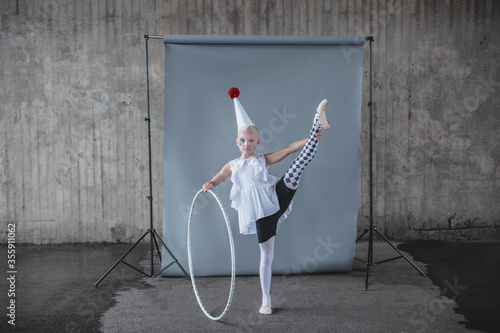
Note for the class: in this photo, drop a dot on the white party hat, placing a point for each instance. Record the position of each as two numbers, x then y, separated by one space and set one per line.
242 119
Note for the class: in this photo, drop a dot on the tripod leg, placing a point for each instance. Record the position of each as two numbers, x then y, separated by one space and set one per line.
157 251
157 247
368 264
121 258
172 256
401 253
357 239
367 276
362 234
369 261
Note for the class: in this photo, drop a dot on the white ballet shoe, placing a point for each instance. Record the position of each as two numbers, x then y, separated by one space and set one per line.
321 116
265 308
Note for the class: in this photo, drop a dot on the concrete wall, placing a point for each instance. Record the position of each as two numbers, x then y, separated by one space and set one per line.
73 157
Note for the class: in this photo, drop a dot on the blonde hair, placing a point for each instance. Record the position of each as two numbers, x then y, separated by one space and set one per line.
248 128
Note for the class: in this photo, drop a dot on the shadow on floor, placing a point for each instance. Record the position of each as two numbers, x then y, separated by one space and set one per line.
54 286
468 272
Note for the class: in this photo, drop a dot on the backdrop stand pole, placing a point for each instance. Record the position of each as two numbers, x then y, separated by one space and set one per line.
370 229
154 237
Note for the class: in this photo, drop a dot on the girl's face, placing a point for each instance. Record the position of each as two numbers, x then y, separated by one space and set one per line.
247 141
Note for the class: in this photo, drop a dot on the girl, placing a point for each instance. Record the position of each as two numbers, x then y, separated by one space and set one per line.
263 200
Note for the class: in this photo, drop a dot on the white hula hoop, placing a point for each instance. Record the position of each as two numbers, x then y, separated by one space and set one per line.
233 264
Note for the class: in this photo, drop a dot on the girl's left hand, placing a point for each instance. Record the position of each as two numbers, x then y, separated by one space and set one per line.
318 135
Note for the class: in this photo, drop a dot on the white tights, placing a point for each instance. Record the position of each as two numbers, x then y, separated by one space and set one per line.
265 270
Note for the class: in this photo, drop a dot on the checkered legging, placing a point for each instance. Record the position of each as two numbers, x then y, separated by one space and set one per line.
292 176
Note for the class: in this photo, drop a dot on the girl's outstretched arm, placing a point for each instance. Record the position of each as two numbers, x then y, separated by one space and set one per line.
279 155
218 178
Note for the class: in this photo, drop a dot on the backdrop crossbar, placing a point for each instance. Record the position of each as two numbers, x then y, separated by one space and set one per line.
371 230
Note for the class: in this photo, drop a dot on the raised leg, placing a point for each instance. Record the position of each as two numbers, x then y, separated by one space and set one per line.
292 176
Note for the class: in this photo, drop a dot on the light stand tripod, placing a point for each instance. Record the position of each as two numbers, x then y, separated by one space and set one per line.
370 229
154 237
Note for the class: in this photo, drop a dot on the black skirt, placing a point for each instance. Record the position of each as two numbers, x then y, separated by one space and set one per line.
266 226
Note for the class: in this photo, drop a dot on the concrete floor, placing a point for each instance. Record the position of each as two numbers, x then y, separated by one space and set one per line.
55 292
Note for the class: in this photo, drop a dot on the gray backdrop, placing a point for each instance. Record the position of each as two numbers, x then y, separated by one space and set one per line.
281 79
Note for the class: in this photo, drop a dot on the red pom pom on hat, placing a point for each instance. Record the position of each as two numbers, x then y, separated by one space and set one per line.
242 118
233 92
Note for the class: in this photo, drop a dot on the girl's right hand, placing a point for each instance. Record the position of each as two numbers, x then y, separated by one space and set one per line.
208 186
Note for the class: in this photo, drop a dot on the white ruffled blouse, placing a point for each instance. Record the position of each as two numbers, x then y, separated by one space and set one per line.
253 193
